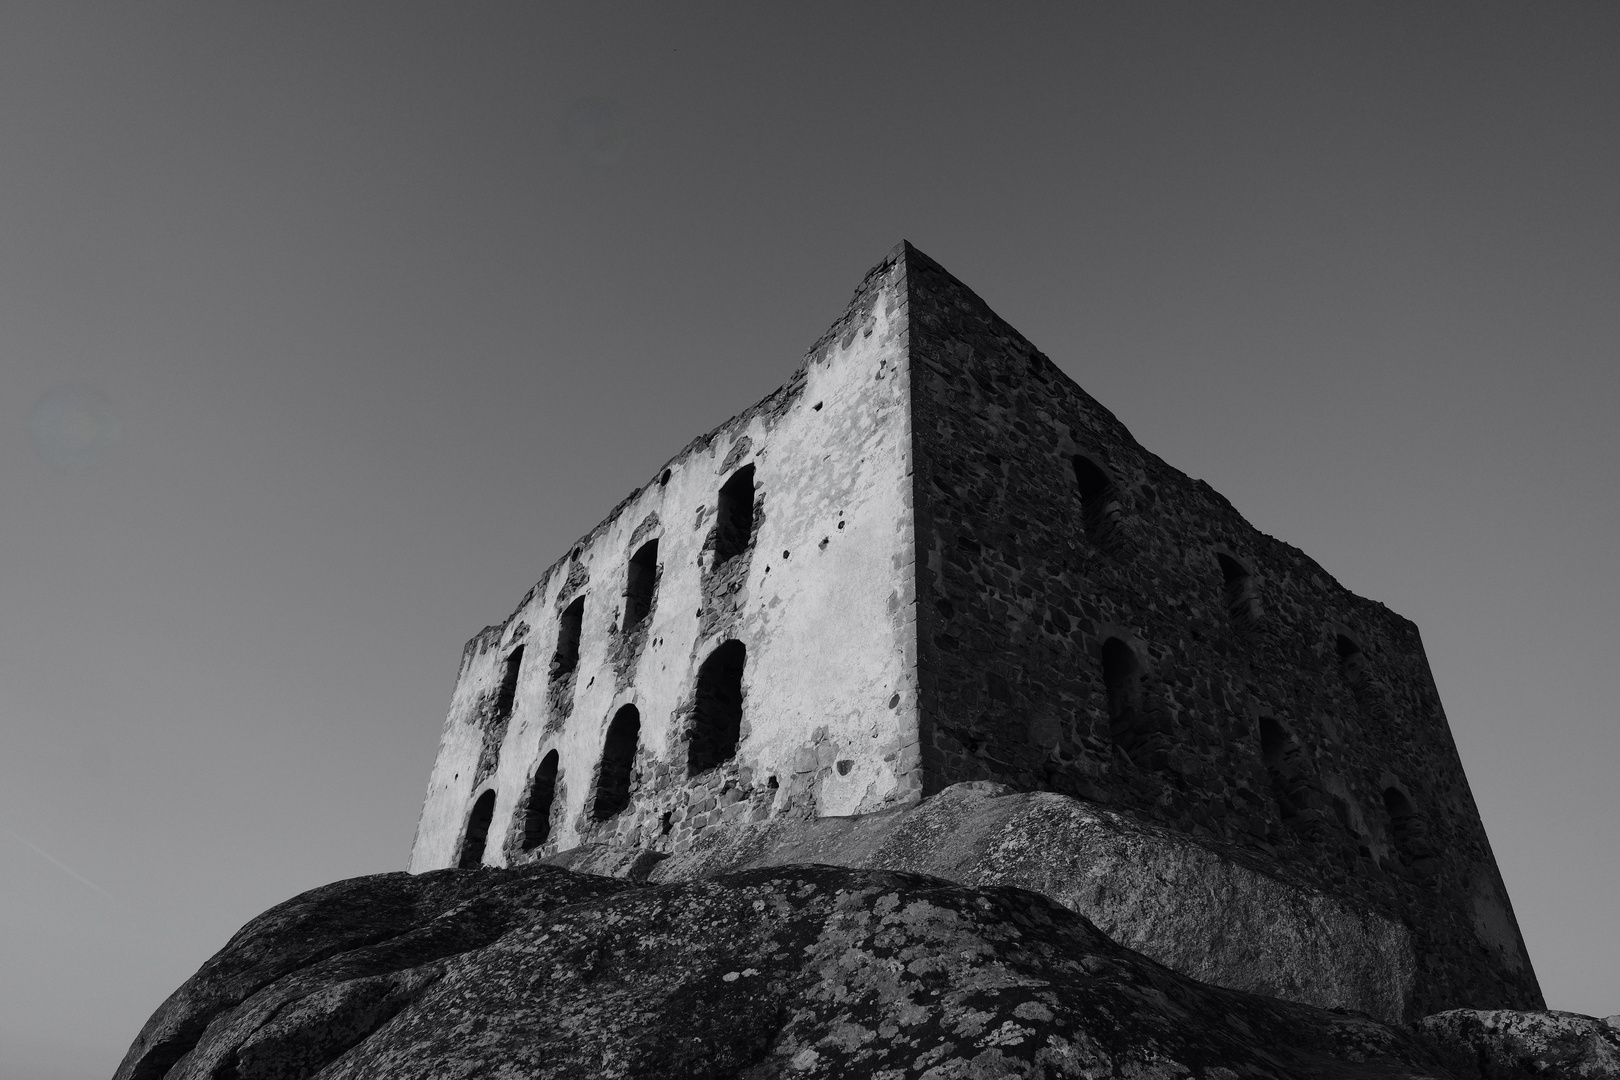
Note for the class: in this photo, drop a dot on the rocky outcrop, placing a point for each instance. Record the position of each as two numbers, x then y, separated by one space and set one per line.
316 974
1199 909
801 971
1501 1044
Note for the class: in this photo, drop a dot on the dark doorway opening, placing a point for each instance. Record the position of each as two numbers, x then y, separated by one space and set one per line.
735 520
1099 502
641 578
1242 598
1352 661
1401 817
506 697
537 821
618 760
566 658
717 712
472 848
1122 681
1277 750
1410 834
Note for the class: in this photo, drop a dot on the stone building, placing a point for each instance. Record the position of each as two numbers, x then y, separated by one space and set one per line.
929 558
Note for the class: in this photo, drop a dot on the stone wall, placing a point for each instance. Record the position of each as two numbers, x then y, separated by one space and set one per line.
818 592
957 566
1246 697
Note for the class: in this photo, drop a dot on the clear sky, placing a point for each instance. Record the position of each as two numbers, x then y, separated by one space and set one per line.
325 328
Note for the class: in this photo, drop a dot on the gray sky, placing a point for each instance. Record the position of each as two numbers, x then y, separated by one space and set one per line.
323 329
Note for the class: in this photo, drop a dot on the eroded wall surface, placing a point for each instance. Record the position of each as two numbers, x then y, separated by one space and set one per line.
954 546
821 598
1275 713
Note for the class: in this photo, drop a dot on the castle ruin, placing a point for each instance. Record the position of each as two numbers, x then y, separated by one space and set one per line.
930 558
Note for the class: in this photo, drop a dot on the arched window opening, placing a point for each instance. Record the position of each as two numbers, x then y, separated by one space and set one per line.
640 579
618 759
717 712
1242 598
1410 834
506 697
1401 815
472 848
735 520
1279 754
1352 661
566 658
1122 680
1100 510
537 821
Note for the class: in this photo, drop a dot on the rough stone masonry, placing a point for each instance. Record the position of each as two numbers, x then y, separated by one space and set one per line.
931 558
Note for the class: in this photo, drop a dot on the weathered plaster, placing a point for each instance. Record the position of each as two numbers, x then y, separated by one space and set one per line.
821 599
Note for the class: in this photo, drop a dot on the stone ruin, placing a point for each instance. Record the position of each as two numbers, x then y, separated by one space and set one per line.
931 558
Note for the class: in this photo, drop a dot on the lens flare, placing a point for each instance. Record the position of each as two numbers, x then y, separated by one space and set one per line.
74 428
593 128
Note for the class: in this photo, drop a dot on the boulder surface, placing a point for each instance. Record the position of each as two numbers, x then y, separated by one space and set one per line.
1205 910
797 971
1500 1044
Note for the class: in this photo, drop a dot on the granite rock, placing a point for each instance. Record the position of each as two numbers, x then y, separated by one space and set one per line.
319 972
790 971
1501 1044
787 971
1204 909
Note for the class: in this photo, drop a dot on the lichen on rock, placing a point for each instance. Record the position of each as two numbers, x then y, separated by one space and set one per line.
793 971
